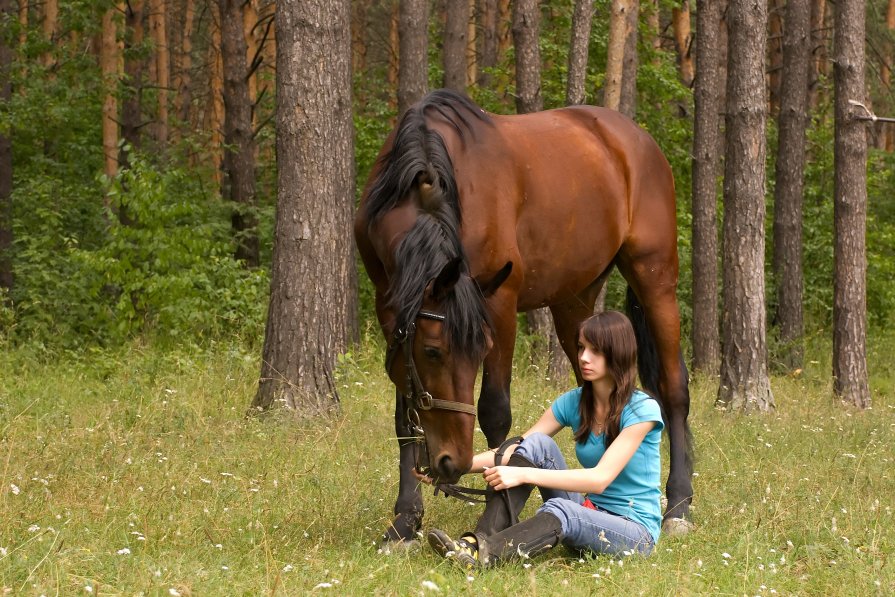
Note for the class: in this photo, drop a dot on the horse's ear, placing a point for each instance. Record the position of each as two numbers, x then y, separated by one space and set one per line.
447 278
489 286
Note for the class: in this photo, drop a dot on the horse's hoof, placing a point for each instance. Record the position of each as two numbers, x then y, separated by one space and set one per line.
677 527
389 548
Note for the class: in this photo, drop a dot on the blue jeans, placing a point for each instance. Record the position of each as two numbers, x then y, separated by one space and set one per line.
597 530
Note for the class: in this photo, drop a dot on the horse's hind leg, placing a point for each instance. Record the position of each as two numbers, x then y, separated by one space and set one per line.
654 282
567 318
409 505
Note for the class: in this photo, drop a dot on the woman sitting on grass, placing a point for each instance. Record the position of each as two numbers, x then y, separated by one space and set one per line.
617 433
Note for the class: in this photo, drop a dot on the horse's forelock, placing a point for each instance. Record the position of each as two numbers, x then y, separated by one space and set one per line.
422 253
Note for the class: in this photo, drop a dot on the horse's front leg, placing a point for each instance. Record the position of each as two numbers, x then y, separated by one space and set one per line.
409 505
495 417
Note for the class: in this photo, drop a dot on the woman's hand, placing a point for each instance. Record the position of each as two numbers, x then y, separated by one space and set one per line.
423 478
505 477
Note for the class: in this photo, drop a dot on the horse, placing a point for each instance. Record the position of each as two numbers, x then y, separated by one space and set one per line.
468 218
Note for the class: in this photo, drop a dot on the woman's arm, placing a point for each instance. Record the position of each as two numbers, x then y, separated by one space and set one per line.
547 424
589 480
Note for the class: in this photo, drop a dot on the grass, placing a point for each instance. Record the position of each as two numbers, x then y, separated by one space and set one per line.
137 473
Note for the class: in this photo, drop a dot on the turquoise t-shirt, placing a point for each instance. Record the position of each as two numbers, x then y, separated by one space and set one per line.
635 491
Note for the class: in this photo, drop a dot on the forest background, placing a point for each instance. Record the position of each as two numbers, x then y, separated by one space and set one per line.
135 279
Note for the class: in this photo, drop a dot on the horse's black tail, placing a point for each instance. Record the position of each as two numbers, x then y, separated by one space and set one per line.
647 354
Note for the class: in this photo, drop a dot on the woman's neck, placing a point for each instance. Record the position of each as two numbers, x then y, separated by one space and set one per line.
602 389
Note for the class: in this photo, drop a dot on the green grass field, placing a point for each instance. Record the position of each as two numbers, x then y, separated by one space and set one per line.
138 474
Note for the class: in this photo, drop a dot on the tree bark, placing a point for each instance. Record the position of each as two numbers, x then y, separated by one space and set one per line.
471 42
23 22
708 147
886 71
487 16
109 67
456 30
818 49
615 54
183 81
628 99
744 371
413 78
313 280
132 105
850 208
6 232
578 50
239 152
158 30
775 54
215 111
683 40
48 26
526 29
504 27
790 171
394 54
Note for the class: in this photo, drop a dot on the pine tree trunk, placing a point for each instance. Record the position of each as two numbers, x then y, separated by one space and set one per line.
249 29
683 39
413 79
708 145
775 54
313 280
215 110
158 30
132 105
790 170
628 99
48 26
23 22
471 42
359 9
394 53
615 54
239 152
818 49
886 71
109 68
744 370
578 49
526 29
504 27
487 14
183 82
456 29
6 232
850 209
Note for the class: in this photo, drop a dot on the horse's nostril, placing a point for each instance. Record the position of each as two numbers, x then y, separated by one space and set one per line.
447 469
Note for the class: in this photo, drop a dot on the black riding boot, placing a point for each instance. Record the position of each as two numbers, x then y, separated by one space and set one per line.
525 540
503 507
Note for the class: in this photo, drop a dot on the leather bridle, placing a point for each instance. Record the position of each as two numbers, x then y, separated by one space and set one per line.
418 397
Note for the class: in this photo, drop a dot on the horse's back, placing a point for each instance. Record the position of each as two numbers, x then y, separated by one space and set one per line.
566 188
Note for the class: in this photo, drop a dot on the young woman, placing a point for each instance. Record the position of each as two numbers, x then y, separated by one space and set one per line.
617 431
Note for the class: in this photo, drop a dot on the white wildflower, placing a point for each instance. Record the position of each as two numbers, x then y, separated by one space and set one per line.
124 551
431 586
288 568
173 592
725 555
14 489
33 528
324 585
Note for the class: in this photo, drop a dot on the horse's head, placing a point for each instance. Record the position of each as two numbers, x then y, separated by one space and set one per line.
433 359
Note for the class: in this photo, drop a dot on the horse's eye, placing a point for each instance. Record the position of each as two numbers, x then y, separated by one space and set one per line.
432 353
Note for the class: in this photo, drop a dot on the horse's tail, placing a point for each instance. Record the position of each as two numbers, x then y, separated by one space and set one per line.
647 353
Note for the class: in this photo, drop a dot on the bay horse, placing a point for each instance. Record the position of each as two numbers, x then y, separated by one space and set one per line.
468 218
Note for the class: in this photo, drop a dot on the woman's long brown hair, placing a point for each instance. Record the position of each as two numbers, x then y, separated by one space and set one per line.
611 334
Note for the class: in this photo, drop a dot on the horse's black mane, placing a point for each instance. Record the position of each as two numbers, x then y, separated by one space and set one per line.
418 154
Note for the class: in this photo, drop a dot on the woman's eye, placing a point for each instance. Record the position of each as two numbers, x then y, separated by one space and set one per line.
432 353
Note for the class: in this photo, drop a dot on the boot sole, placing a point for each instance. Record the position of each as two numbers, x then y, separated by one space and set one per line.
442 543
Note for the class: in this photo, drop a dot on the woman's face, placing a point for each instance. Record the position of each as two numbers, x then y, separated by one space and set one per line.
591 362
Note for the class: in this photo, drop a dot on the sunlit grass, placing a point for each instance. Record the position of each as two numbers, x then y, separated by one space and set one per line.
138 473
